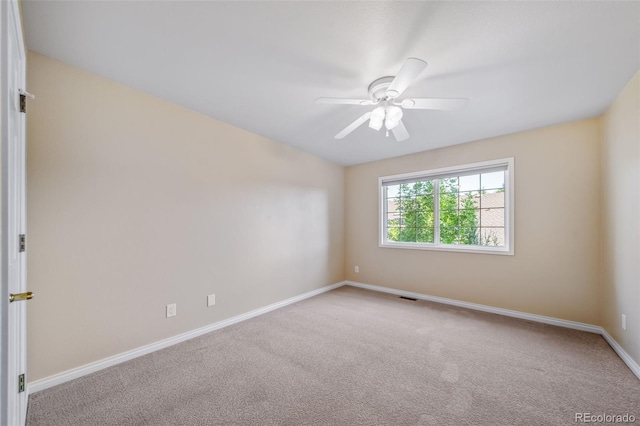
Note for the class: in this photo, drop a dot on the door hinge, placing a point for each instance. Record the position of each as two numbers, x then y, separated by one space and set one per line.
21 383
23 99
23 243
23 103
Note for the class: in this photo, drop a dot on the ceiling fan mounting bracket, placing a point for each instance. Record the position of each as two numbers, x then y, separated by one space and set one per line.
378 89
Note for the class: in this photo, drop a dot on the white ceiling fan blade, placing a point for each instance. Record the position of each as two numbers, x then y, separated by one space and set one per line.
351 127
400 132
407 74
345 101
433 103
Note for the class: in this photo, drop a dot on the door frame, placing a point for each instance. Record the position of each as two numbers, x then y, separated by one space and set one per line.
10 17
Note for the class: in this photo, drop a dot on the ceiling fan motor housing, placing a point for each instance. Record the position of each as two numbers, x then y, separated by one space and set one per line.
378 89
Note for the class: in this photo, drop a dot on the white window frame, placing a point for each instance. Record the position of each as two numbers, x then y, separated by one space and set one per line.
479 167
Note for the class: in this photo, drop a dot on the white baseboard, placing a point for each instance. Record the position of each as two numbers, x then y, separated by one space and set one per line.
631 363
484 308
83 370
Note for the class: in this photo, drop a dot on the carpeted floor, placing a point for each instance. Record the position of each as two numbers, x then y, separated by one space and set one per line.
356 357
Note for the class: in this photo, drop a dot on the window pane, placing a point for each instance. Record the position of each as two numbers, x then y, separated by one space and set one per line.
492 217
408 235
393 220
408 219
448 234
411 213
449 186
470 183
393 234
448 218
448 204
423 188
393 204
404 190
492 237
492 199
469 236
393 191
411 190
468 218
424 219
424 202
493 180
424 235
460 213
469 200
409 204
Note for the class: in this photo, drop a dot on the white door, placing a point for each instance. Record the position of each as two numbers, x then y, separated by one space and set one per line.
14 395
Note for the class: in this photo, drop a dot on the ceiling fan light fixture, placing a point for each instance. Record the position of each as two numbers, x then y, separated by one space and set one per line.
375 125
391 124
377 117
393 117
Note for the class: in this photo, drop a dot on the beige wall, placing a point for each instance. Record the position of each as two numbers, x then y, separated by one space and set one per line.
621 218
555 270
134 203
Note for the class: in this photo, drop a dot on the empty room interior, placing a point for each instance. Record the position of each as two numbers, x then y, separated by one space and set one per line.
340 213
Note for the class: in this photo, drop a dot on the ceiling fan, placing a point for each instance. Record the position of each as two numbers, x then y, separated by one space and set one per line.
384 93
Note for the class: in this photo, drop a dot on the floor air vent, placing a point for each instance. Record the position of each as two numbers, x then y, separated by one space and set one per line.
408 298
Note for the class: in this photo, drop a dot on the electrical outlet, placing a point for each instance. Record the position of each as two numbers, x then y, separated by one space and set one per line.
211 300
357 269
171 310
624 322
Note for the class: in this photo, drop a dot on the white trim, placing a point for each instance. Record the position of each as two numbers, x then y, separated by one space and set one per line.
484 308
436 216
448 247
11 405
92 367
509 199
631 363
471 167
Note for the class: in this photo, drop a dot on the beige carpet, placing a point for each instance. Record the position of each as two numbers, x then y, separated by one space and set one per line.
356 357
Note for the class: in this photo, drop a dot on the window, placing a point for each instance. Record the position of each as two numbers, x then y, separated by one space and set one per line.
466 208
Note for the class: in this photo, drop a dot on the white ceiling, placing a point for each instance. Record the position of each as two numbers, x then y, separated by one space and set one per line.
260 65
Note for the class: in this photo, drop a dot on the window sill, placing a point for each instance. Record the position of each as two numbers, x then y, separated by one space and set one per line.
452 248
